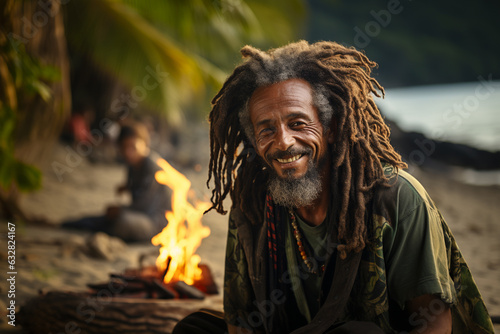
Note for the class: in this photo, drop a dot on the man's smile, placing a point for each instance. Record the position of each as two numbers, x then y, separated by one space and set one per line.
291 159
290 163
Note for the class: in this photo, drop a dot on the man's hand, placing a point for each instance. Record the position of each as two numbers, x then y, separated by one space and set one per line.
429 314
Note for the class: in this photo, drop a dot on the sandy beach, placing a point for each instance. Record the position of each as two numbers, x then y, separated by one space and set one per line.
55 259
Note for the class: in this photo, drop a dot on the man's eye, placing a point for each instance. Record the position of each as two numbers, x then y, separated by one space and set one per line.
297 124
265 131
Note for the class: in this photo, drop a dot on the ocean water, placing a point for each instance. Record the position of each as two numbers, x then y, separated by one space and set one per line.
466 113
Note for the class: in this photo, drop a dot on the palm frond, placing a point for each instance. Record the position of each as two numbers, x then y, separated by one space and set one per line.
193 41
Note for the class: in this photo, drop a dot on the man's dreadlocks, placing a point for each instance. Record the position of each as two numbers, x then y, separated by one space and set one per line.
338 75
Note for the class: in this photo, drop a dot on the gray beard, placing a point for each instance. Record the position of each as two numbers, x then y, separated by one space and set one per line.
296 193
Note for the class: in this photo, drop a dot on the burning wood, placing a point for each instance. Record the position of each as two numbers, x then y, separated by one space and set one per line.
148 283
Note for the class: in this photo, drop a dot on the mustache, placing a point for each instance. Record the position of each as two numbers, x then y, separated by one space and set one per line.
288 153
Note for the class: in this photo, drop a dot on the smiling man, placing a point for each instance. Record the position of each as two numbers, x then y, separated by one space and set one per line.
290 138
327 233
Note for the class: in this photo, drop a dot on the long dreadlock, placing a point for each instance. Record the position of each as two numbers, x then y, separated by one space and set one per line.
361 136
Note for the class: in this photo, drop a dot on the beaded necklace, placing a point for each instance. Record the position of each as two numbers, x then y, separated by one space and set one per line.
301 245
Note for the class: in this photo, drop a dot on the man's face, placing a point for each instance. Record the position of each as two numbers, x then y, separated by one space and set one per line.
290 138
288 133
133 150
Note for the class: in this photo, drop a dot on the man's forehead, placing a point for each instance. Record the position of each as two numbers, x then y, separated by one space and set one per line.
289 93
286 87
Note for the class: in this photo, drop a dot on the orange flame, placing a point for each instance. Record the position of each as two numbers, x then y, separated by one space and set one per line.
179 240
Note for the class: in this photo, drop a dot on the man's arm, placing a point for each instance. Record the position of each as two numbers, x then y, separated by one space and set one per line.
425 319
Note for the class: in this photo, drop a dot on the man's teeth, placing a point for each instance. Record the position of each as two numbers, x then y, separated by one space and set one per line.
296 157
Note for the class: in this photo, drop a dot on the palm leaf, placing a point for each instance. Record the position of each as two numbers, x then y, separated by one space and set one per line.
194 41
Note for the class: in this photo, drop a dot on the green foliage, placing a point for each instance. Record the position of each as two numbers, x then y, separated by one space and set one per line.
193 42
27 177
24 77
29 76
12 171
217 29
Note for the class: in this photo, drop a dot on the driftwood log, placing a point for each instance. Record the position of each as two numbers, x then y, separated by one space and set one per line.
69 312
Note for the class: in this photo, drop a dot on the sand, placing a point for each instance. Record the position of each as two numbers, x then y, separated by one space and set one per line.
55 259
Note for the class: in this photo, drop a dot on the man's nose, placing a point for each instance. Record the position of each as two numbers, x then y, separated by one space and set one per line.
284 139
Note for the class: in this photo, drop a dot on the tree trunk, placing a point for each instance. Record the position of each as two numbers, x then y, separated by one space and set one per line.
61 312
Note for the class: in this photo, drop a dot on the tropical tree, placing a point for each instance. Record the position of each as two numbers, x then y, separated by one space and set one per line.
192 43
34 94
186 47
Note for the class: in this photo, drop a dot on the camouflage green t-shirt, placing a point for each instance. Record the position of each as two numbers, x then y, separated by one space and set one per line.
413 253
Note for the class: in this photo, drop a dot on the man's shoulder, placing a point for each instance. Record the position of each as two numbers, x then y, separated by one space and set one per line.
404 194
238 219
244 227
411 184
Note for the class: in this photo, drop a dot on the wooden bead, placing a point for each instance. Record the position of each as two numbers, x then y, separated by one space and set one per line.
300 245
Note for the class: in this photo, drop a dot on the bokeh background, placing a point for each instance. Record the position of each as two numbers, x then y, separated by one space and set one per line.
160 62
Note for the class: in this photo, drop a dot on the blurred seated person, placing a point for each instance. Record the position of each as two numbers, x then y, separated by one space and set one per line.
145 216
77 129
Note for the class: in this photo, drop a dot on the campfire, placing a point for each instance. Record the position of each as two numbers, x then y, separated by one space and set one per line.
148 299
178 273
